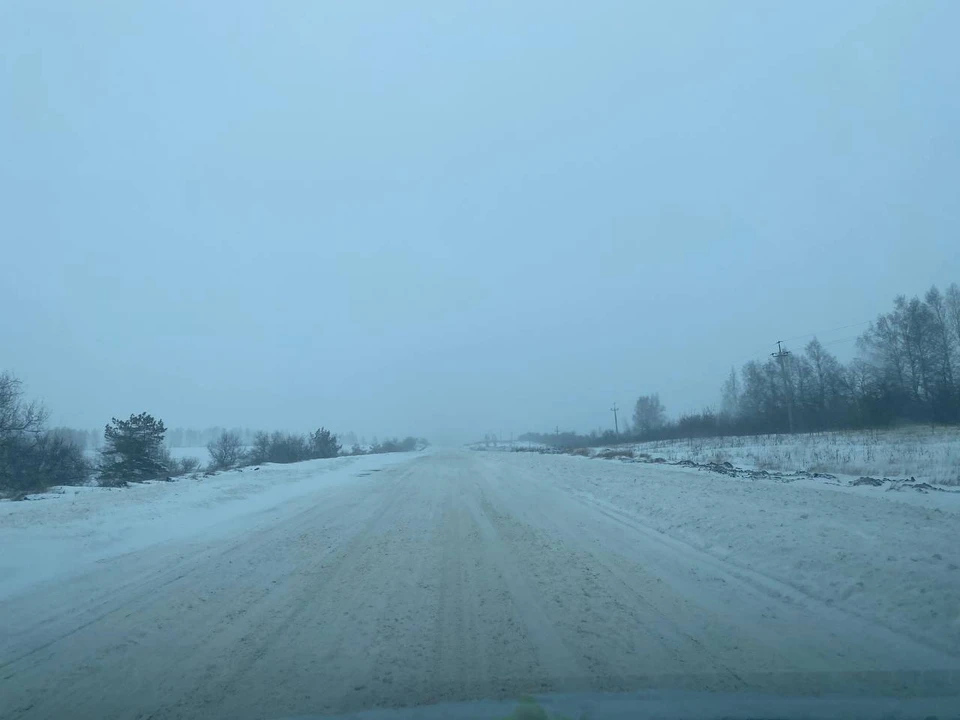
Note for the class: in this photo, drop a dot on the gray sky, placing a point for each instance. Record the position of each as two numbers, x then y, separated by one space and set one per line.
457 217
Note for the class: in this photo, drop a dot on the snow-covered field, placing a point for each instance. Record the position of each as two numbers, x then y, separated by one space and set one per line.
200 453
929 454
337 585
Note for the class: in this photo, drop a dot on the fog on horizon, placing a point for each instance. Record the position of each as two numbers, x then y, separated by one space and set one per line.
448 219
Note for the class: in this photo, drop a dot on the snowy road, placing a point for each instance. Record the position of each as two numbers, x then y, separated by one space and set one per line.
450 576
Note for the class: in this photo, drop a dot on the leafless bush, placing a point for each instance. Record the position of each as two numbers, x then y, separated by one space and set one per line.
31 458
615 454
185 466
226 451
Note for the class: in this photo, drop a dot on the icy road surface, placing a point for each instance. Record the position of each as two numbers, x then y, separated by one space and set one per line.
459 575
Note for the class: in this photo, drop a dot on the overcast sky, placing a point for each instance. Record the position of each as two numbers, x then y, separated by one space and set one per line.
439 217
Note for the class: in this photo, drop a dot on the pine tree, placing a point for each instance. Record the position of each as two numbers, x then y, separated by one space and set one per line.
133 450
323 444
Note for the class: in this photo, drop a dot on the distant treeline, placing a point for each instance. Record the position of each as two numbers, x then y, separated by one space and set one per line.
907 370
34 457
180 437
191 437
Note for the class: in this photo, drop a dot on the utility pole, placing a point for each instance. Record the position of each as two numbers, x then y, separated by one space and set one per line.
781 356
616 423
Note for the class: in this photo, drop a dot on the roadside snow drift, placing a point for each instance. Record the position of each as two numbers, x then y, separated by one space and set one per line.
64 531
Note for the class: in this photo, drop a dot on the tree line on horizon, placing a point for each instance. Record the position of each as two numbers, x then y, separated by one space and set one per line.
907 370
34 457
181 437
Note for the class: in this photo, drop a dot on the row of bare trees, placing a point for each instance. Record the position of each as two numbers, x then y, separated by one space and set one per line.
906 371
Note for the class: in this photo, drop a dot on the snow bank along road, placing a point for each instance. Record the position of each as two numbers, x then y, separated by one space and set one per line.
459 575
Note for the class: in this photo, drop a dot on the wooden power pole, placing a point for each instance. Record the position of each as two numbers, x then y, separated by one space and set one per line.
781 356
616 423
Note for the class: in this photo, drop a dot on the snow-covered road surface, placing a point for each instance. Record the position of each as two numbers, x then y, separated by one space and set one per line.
459 575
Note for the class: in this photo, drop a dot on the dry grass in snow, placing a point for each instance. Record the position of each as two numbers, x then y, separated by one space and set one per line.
928 454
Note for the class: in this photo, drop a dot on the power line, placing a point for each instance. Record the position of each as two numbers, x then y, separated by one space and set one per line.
823 332
831 342
841 340
738 365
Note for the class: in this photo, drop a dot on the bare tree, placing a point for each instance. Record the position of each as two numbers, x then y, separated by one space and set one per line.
31 458
730 395
16 416
648 414
942 350
953 311
826 377
226 451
